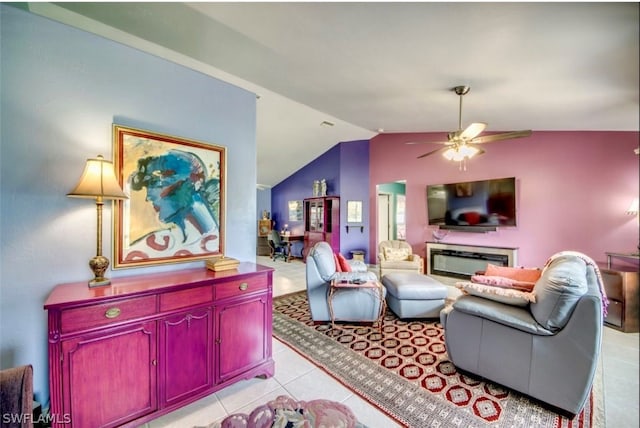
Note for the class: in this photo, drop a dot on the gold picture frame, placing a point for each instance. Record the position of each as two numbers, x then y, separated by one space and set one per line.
176 206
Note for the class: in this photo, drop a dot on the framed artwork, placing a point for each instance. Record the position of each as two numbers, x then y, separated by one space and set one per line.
295 210
464 190
176 206
354 211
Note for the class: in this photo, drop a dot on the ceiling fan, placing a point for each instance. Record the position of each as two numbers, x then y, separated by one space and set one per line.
462 144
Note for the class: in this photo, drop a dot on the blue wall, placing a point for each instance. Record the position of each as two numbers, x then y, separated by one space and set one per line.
263 198
299 185
345 167
354 179
62 89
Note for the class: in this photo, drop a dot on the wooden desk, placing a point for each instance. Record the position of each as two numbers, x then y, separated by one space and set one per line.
290 239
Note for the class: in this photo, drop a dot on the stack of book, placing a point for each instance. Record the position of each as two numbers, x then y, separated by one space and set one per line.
220 263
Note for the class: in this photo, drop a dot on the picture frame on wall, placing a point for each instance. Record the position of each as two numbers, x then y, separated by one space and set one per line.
295 210
354 211
176 206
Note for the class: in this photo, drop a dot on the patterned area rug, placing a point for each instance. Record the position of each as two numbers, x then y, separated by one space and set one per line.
404 371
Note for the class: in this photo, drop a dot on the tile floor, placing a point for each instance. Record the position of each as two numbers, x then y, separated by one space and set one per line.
304 381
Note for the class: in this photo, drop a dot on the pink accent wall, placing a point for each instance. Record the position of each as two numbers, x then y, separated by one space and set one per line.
573 190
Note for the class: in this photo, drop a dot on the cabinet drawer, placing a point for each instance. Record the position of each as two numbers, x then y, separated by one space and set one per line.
240 287
107 313
614 313
613 285
184 298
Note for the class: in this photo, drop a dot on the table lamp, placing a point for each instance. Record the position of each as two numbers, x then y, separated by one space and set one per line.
633 210
98 181
633 207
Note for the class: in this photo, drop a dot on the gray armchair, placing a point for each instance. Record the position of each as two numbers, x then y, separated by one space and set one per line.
357 304
549 349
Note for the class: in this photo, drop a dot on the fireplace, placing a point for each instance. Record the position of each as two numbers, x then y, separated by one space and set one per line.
449 263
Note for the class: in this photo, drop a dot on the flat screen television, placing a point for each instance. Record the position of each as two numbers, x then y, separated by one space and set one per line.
472 205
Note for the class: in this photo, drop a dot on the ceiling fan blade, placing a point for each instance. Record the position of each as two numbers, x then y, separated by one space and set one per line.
500 137
428 142
473 130
431 152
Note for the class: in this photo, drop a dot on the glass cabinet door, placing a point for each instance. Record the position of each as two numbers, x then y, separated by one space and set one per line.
315 216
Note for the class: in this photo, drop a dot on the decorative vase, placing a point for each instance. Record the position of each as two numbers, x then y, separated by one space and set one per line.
439 235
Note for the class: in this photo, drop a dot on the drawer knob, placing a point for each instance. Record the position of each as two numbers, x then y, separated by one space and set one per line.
244 286
112 313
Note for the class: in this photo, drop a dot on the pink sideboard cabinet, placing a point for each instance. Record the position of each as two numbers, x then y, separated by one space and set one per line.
146 345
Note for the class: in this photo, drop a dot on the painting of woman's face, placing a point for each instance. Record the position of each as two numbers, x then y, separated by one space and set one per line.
176 197
172 183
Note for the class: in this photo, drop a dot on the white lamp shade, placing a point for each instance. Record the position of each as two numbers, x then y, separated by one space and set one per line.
98 180
633 208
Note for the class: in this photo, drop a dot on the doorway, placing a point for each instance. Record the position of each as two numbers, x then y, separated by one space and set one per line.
384 217
391 211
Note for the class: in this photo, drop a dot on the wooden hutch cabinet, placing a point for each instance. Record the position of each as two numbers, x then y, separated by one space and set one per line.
321 222
146 345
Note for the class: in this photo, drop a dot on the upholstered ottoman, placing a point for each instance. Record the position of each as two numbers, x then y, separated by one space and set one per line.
412 295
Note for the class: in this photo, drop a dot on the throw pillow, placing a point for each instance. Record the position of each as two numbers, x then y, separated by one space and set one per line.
519 274
344 265
501 281
396 254
337 261
498 294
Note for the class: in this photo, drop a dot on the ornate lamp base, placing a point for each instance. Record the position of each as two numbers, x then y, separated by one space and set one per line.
99 265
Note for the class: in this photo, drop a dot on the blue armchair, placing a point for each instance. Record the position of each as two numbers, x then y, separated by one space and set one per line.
357 304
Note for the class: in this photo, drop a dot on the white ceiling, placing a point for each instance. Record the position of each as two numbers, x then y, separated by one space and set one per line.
371 66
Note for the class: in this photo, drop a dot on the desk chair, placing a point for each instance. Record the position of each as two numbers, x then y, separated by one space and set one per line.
278 247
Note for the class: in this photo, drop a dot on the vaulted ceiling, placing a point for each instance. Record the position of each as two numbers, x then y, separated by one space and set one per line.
378 67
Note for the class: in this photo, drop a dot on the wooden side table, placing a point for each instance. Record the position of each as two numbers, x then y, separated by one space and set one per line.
345 284
629 256
621 286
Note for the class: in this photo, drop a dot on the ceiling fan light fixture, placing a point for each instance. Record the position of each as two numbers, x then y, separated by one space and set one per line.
469 151
450 154
460 153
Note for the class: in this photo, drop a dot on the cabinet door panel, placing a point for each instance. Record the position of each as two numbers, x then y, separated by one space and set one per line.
243 336
186 363
110 379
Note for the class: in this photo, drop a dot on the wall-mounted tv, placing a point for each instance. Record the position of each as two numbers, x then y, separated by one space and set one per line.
473 205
